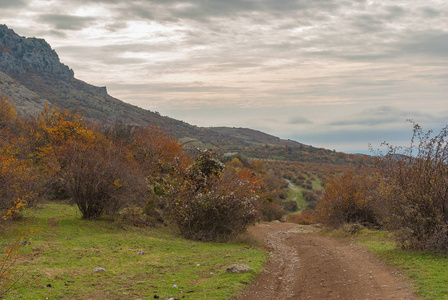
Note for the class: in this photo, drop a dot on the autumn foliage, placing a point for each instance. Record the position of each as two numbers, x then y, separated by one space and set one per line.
406 192
130 173
349 198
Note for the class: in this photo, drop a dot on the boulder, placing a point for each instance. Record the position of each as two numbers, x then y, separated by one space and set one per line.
238 269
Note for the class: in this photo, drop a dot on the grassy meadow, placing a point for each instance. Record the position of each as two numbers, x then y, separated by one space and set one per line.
60 251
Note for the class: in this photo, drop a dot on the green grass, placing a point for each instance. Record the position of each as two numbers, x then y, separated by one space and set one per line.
317 184
65 249
428 271
297 196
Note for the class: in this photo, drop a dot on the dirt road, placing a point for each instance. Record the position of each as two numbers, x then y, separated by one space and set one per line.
306 265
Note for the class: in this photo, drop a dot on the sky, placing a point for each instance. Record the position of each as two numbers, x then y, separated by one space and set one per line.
338 74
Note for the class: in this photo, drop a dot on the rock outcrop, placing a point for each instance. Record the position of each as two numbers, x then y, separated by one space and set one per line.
19 55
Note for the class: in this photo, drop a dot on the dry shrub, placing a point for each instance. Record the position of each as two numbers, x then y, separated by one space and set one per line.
134 216
348 198
290 205
270 210
306 217
245 238
100 178
415 191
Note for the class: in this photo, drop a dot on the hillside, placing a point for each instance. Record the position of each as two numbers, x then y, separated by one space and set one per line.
24 100
254 137
31 75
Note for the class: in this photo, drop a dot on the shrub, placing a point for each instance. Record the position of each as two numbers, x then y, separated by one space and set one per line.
99 178
348 198
415 191
215 204
270 210
18 185
305 217
7 113
134 216
290 205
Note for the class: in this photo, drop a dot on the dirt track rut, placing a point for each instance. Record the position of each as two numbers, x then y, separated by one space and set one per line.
306 265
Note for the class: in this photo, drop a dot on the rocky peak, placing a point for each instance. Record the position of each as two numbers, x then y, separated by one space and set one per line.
19 55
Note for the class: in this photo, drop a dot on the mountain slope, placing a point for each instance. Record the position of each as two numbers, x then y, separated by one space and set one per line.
254 137
25 101
32 75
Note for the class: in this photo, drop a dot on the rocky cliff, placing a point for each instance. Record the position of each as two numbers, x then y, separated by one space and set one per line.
20 55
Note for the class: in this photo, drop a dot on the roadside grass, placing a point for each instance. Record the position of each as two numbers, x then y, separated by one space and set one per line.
428 271
64 249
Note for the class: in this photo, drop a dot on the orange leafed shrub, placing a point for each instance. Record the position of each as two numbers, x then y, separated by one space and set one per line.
348 198
157 152
7 113
18 184
305 217
18 178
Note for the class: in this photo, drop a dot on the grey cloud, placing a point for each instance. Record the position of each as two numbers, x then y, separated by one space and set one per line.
13 3
430 12
428 43
437 77
112 54
299 121
67 22
382 115
368 23
204 10
361 138
393 13
115 25
192 87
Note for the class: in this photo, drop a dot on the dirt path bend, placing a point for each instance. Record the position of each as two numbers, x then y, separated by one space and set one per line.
306 265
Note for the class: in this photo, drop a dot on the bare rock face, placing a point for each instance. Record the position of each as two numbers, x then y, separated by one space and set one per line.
19 55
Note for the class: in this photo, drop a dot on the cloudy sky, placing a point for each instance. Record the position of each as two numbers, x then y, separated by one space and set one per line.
331 73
